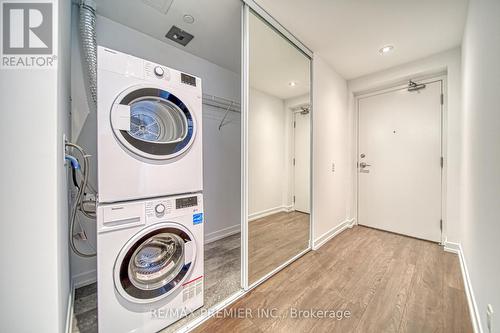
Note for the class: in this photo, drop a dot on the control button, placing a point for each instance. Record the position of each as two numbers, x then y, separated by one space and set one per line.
159 71
160 209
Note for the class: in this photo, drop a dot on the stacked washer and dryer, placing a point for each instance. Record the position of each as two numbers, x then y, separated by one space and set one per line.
150 212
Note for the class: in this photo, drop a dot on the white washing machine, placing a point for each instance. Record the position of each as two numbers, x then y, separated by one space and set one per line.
149 262
149 129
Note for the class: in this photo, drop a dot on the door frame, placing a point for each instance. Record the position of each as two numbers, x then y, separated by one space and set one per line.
294 116
387 88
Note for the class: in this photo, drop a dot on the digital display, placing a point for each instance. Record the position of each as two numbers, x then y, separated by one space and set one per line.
186 202
188 79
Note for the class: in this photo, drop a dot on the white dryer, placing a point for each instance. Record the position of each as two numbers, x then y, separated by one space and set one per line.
149 263
149 129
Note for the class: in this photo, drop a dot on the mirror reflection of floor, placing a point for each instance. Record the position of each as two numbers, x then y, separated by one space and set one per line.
222 279
274 239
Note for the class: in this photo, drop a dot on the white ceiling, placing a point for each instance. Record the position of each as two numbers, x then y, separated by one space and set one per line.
217 38
346 33
349 33
274 63
216 28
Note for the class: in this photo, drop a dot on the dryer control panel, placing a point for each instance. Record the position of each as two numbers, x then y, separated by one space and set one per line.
154 71
130 66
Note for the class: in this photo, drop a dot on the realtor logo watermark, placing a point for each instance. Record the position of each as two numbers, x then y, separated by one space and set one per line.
28 35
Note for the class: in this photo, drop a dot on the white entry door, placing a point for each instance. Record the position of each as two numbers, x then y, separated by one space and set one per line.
302 161
399 162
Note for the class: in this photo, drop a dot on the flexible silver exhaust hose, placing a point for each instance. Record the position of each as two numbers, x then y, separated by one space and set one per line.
89 47
89 57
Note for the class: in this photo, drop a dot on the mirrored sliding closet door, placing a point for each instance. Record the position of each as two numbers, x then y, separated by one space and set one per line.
278 147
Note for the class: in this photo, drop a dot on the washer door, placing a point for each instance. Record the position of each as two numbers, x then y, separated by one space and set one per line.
154 263
152 123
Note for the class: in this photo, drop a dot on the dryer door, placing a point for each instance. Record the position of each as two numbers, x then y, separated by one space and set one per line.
152 123
154 263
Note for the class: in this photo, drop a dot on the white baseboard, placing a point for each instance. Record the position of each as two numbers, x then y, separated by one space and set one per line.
69 313
270 211
451 247
347 223
84 278
219 234
471 300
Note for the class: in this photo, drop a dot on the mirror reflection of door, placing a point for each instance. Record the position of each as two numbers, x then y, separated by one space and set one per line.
278 151
301 172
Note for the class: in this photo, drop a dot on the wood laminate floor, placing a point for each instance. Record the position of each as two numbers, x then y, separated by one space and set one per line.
275 239
387 282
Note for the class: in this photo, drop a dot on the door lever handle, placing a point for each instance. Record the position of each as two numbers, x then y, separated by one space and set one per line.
363 165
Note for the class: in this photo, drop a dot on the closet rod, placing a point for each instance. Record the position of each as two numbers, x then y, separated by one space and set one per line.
222 103
301 107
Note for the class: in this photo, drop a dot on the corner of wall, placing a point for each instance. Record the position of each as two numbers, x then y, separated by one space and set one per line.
333 232
63 131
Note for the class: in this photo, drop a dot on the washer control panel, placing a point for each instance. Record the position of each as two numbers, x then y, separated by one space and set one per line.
173 206
158 208
186 202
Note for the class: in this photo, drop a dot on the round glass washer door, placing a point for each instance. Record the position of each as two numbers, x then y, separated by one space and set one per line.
161 125
154 263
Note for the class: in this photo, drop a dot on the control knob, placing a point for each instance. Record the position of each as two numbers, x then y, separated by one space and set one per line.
159 71
160 209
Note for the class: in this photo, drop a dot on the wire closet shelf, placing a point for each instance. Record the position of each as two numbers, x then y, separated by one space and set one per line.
224 104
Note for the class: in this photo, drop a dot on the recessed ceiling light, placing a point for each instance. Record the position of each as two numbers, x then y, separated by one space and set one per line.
386 49
188 18
292 83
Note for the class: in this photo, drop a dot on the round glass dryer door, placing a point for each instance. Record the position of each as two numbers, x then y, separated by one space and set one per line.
152 123
154 263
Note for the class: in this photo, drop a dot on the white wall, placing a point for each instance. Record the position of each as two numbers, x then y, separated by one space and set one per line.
221 148
481 155
266 153
63 130
330 145
221 173
35 278
449 62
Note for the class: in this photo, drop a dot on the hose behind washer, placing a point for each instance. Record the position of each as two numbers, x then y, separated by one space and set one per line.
78 201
